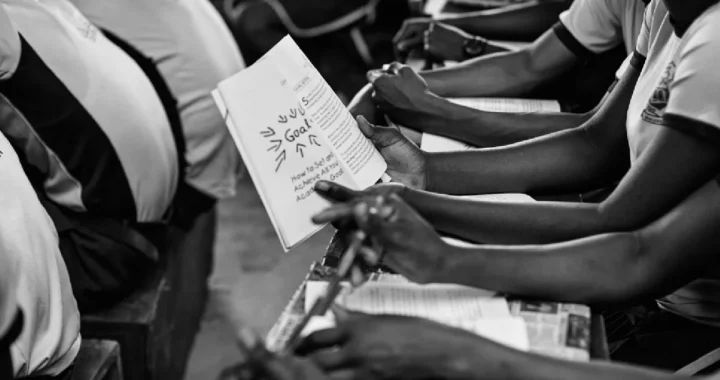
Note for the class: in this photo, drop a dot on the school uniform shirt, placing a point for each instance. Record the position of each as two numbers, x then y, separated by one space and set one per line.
97 131
597 26
50 336
194 50
679 87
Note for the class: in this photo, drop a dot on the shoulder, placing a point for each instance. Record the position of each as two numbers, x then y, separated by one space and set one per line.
9 44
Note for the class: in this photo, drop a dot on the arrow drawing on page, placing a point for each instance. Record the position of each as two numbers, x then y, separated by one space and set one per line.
282 119
280 159
267 133
299 148
276 145
293 113
313 140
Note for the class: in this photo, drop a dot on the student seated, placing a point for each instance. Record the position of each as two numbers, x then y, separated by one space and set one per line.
94 137
668 116
672 258
587 29
536 16
39 320
193 49
260 24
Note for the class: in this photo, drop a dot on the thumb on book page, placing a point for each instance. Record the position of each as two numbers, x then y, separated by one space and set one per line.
365 127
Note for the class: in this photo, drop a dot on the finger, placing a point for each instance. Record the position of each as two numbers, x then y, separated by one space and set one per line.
322 339
373 75
335 192
360 212
410 43
406 31
365 127
330 359
394 67
335 213
357 277
369 256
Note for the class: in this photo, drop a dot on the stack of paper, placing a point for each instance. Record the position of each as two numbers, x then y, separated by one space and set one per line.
458 306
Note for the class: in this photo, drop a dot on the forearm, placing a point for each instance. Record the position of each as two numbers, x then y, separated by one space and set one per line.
594 270
499 75
507 223
562 162
488 129
501 24
503 363
610 268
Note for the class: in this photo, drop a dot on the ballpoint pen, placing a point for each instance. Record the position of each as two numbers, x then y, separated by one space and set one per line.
323 303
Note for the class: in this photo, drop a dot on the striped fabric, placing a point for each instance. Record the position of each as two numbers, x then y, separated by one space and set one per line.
85 117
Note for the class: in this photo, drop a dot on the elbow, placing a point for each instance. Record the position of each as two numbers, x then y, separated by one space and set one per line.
528 74
625 275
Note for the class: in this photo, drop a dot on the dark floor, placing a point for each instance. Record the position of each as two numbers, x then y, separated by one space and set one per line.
252 281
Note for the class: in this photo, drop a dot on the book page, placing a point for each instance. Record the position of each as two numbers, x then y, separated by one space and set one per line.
434 143
511 331
327 112
508 104
285 147
445 303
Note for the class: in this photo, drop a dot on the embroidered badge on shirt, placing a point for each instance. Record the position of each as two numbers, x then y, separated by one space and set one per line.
655 108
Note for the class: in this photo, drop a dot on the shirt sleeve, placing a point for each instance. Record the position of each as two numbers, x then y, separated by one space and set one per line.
595 24
694 90
643 42
9 45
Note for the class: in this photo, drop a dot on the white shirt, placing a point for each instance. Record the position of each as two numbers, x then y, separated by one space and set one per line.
679 87
194 50
124 108
601 25
50 337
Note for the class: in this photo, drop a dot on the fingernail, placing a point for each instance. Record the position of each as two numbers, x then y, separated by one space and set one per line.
322 186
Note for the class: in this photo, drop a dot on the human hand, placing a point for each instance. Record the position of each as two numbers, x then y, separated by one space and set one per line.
410 36
443 42
261 364
390 347
362 104
405 161
402 94
407 243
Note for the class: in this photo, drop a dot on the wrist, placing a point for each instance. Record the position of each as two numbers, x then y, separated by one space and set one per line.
474 46
474 359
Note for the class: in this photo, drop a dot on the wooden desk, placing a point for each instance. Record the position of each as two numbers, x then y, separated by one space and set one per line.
598 338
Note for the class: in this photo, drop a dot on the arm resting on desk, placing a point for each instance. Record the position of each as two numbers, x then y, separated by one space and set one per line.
611 268
501 24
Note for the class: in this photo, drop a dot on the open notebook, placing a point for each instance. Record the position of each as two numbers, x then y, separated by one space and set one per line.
458 306
292 130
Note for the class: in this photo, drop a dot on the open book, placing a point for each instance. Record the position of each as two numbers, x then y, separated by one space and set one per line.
458 306
292 130
435 143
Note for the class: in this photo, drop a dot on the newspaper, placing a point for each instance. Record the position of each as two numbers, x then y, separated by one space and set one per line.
554 329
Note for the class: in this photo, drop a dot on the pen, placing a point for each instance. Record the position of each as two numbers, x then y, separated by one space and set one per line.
322 304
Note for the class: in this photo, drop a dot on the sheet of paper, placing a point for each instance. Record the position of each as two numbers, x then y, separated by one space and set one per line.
434 7
289 141
508 104
444 303
434 143
457 306
328 113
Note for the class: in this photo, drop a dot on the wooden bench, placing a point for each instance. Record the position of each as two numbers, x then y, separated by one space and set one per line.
156 327
98 360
